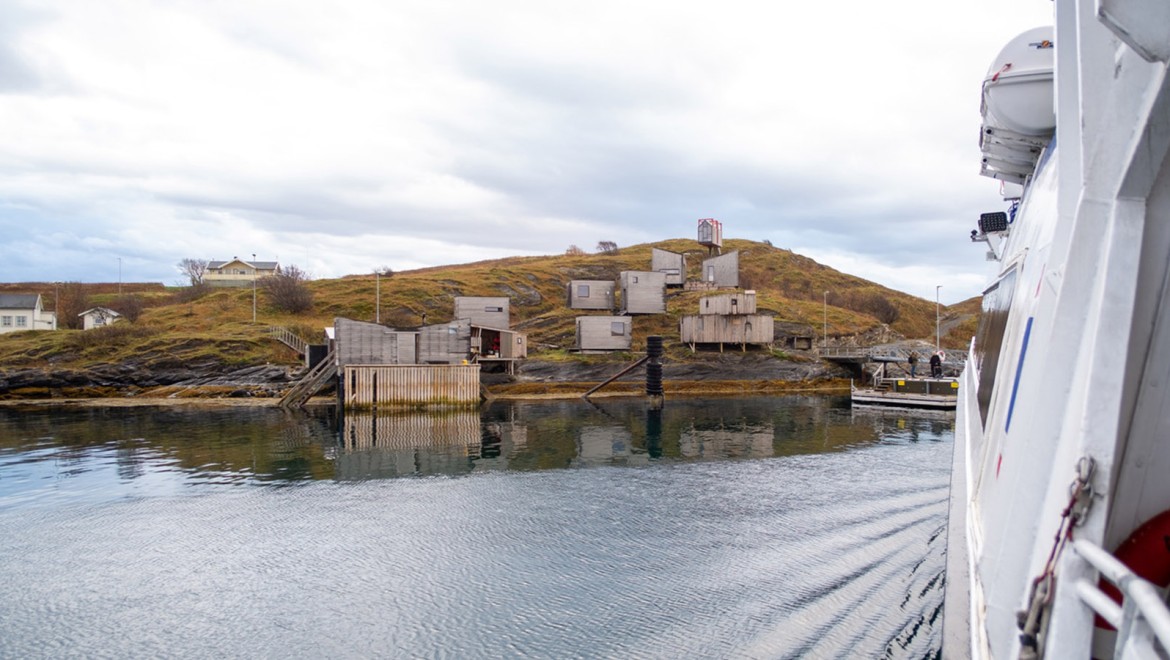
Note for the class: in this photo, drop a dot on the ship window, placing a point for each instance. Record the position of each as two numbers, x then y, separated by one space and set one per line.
997 301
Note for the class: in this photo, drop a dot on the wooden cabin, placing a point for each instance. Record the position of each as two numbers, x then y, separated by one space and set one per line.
722 271
592 294
489 312
358 342
445 343
643 292
604 333
741 329
710 234
743 302
670 264
498 349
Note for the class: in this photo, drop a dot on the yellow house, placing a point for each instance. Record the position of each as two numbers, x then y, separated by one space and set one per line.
238 272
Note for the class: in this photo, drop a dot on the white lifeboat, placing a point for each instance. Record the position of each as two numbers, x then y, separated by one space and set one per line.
1018 106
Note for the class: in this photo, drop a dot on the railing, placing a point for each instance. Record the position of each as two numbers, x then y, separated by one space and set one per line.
845 352
1142 621
288 338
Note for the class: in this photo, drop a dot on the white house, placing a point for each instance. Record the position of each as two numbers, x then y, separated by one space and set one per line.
23 311
238 272
98 317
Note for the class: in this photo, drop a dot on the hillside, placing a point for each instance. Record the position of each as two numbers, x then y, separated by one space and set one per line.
176 328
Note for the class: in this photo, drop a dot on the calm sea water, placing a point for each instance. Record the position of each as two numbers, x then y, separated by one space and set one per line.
727 528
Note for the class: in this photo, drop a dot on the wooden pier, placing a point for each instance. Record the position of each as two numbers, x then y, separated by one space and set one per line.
367 386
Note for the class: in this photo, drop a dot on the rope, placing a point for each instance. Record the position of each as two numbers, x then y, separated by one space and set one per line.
1002 70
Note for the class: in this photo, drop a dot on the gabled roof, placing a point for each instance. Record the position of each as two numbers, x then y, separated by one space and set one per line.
258 265
101 310
19 300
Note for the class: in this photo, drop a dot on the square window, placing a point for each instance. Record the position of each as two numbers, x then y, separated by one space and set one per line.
617 328
583 291
634 279
22 321
6 321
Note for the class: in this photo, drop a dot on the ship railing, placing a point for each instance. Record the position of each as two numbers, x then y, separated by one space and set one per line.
1142 620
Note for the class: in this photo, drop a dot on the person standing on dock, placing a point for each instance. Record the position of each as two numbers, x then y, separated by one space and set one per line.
936 365
913 360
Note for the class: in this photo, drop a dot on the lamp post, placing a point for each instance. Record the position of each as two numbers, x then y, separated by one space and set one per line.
119 276
377 296
253 287
825 329
937 336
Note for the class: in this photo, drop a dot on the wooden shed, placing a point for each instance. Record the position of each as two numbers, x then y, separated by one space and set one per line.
671 264
722 271
643 292
592 294
604 333
491 312
498 349
445 343
729 303
358 342
741 329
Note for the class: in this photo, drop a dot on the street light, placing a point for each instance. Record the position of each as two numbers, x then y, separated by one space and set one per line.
119 276
825 332
377 296
937 340
253 287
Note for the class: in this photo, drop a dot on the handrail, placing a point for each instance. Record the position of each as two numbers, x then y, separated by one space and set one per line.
1142 612
288 338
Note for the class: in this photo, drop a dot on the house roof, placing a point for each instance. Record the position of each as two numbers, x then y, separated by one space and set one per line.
101 310
19 300
258 265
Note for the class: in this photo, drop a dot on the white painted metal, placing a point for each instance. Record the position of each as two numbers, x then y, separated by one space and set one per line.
1085 356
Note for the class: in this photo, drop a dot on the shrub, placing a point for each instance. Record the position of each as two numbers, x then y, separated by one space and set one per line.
287 291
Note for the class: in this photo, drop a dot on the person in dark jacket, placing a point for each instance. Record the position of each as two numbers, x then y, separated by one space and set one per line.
913 359
936 365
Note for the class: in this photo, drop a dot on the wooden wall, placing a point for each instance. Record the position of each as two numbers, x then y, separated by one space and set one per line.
373 385
737 329
595 333
598 294
722 271
445 343
671 264
729 303
491 312
643 292
358 342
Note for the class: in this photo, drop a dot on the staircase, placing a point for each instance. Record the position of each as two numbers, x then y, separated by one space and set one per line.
311 383
288 338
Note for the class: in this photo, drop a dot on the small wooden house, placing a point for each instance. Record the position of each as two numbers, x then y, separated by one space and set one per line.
743 302
238 272
592 294
722 271
643 292
670 264
741 329
98 317
491 312
358 342
498 349
604 333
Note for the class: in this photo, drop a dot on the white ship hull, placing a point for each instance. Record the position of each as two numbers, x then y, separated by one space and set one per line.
1072 361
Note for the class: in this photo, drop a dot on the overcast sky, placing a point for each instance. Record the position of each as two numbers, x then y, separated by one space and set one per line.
353 134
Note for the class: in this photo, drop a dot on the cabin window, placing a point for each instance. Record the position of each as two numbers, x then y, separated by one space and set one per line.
583 291
633 279
997 302
617 328
452 330
6 321
710 273
491 308
671 271
22 321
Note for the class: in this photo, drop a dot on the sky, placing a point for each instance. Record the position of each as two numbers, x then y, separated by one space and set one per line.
358 134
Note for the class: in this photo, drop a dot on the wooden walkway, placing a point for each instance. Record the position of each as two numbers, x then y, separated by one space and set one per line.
288 338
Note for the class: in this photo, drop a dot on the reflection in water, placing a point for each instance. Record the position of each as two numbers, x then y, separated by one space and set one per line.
763 528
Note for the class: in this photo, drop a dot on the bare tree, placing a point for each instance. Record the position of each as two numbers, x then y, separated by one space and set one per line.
607 247
129 306
384 271
574 251
72 302
194 269
287 290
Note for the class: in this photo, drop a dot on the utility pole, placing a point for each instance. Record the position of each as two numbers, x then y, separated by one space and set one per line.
377 295
119 276
253 287
825 329
937 336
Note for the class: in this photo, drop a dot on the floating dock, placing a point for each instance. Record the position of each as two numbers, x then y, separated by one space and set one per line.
934 393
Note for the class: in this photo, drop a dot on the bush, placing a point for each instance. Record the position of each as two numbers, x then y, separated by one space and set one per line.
287 291
192 293
129 306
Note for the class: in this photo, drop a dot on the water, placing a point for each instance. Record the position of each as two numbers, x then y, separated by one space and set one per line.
726 528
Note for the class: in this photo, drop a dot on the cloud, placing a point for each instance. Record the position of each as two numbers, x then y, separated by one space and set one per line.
419 133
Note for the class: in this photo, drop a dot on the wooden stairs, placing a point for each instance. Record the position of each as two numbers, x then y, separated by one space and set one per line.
311 383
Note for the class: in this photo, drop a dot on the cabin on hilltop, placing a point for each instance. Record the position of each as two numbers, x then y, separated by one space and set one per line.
238 272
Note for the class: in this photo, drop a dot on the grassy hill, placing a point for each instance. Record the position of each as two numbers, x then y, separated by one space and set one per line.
218 326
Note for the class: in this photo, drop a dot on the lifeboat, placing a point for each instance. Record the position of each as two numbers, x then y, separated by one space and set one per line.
1018 107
